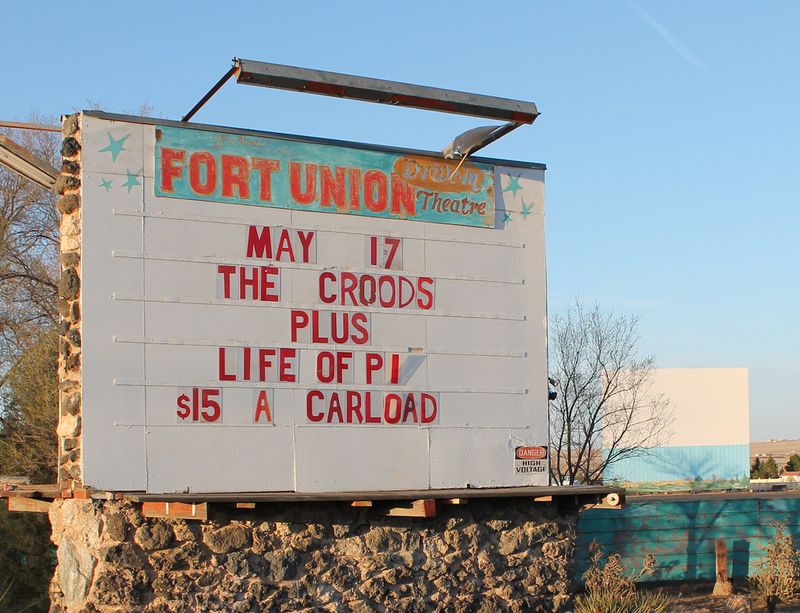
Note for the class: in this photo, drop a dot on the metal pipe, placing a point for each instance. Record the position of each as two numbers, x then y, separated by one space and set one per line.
210 93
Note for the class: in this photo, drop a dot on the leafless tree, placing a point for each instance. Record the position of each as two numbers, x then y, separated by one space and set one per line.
604 409
29 273
29 238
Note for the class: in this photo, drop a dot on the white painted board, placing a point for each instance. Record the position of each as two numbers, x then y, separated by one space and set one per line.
267 313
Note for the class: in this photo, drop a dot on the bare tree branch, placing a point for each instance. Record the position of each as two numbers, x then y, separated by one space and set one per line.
603 411
29 274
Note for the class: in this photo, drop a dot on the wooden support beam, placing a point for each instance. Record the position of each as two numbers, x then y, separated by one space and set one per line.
18 125
9 482
723 586
419 508
567 492
49 491
28 505
176 510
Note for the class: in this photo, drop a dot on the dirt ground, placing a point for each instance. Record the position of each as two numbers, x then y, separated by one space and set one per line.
697 598
780 450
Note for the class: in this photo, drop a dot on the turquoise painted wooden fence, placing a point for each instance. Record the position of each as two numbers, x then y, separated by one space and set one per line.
681 534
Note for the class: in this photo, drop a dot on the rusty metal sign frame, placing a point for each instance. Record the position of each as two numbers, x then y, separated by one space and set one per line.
394 93
367 89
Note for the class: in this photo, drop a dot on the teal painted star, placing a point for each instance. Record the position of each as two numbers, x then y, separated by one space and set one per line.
526 210
105 184
513 185
131 181
507 217
114 146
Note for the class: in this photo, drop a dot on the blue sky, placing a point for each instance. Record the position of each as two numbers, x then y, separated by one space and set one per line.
670 131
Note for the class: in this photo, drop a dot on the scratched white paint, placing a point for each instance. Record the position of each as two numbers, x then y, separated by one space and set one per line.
149 280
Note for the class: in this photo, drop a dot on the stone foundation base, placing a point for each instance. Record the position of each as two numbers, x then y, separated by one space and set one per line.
488 555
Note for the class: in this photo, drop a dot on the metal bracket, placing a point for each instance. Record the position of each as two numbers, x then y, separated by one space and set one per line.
210 93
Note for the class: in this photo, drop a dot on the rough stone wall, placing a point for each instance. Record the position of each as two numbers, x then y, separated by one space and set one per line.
68 187
488 555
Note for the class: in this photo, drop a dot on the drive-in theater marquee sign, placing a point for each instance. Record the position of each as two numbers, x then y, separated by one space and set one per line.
272 313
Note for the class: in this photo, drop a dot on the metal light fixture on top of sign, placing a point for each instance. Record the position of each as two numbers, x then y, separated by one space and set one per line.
514 112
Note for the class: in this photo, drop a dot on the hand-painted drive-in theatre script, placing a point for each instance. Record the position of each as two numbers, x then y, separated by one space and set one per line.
273 313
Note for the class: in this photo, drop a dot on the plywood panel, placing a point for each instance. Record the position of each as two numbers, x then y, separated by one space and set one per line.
211 459
344 458
482 457
427 391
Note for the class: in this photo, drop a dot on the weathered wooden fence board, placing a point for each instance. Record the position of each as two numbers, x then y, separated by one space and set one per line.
605 523
681 534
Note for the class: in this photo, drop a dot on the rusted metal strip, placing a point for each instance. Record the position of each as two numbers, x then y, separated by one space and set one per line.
394 93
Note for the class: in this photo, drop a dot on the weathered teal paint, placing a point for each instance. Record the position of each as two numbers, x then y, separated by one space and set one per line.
682 534
716 466
370 183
